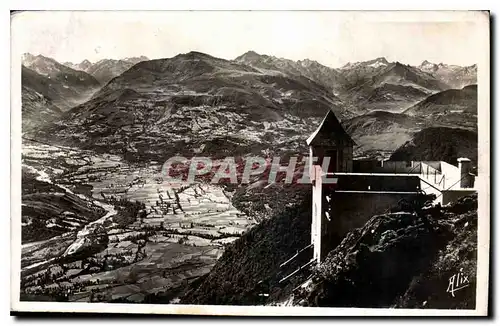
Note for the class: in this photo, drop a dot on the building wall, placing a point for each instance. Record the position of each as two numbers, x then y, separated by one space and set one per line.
367 166
406 183
432 175
342 161
434 164
430 169
450 196
451 175
400 167
348 211
347 159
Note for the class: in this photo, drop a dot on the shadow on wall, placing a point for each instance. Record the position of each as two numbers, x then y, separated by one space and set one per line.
377 183
348 211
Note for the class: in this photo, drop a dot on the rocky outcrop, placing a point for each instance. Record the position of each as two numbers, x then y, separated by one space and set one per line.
400 260
431 289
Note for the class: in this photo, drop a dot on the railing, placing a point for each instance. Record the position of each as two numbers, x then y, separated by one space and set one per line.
434 175
443 179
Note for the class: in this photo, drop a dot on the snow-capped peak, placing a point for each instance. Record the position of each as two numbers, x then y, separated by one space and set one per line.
27 58
375 63
428 66
378 63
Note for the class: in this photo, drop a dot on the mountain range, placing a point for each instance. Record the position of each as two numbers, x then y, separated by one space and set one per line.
370 85
64 86
453 75
452 107
390 86
54 70
311 69
106 69
194 104
198 103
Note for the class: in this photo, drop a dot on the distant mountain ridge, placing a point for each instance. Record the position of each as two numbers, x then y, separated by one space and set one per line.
83 66
54 70
329 77
390 86
375 84
59 93
64 86
452 107
363 86
375 63
255 100
194 103
135 60
453 75
106 69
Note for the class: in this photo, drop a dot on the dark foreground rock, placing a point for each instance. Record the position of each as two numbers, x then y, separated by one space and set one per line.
401 260
431 289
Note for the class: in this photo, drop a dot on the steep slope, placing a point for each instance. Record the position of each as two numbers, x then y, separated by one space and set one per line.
61 95
453 75
439 144
378 131
453 107
382 131
37 110
463 100
326 76
390 97
72 86
380 85
405 75
195 103
251 265
56 71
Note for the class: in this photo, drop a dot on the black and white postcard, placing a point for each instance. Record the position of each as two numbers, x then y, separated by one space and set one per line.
250 162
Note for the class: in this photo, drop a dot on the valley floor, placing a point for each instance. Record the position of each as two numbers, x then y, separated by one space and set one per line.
96 228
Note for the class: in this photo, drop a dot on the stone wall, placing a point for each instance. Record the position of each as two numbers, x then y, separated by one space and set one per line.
348 211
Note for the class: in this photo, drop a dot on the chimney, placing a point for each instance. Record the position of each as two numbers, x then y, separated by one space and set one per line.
464 166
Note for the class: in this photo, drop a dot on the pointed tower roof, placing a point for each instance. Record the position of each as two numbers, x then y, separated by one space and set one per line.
330 132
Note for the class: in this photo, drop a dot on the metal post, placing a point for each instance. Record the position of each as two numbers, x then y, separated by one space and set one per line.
317 213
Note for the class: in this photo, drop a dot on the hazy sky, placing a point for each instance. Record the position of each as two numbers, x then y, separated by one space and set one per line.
332 38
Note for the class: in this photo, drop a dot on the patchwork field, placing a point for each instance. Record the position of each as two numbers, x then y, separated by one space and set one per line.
145 236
